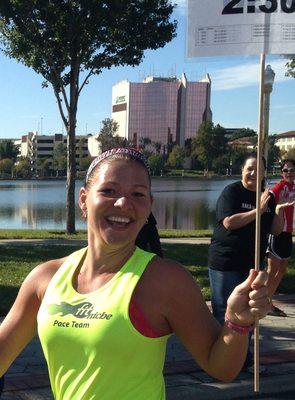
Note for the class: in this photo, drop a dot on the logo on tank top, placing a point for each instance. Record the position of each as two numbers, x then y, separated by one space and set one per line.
248 206
83 310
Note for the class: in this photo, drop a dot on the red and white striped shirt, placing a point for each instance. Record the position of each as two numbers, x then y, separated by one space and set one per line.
285 191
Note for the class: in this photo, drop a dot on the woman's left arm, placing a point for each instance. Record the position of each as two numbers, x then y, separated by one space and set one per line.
278 219
220 351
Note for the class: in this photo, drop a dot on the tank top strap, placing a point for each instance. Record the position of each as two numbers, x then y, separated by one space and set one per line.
128 276
63 276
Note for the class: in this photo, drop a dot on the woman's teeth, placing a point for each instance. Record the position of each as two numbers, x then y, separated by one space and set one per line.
122 220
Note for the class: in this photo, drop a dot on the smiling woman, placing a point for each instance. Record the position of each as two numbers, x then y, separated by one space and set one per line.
105 312
232 249
116 197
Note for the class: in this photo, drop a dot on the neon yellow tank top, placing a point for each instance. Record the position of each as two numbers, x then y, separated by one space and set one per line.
91 347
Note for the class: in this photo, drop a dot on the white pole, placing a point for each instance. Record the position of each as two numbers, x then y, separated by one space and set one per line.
261 139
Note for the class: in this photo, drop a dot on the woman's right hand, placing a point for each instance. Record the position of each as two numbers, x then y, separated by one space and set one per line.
265 196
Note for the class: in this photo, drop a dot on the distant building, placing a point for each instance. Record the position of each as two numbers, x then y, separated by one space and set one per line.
285 141
40 147
161 109
229 132
93 146
247 143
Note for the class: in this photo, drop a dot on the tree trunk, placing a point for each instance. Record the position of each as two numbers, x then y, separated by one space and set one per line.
71 144
71 174
71 160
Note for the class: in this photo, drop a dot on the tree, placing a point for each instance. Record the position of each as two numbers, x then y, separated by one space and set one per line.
291 68
8 149
44 166
273 152
237 156
221 164
22 168
146 146
156 163
59 158
176 157
6 165
69 41
157 146
209 143
84 163
243 133
108 137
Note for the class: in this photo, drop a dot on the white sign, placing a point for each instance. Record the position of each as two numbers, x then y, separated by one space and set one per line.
120 99
234 27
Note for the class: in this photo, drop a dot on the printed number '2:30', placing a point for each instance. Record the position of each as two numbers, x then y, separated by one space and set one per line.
270 6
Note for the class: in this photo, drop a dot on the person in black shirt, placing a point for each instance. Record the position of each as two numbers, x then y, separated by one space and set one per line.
232 248
1 384
148 238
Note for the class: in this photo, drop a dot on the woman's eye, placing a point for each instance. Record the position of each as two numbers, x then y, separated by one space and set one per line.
138 194
107 191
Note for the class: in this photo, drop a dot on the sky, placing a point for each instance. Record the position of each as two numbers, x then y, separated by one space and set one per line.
25 106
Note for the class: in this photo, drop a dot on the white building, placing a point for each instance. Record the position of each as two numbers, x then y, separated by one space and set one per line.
40 147
285 141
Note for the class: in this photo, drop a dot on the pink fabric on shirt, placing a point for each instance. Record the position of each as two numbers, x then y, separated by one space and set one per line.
140 322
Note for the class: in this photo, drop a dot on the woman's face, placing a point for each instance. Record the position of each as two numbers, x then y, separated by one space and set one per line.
249 174
288 172
118 202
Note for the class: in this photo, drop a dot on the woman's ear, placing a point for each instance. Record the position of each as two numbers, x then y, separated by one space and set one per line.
82 201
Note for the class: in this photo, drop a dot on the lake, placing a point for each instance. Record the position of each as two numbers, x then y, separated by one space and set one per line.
179 203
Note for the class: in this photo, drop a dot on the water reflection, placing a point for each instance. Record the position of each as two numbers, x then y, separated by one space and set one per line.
178 203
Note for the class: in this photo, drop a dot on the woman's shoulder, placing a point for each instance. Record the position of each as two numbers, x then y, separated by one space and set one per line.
42 274
167 272
166 282
231 191
233 187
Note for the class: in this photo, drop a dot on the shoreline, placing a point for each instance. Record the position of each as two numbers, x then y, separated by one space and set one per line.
158 177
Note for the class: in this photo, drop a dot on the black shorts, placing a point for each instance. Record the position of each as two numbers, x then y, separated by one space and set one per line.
1 384
280 246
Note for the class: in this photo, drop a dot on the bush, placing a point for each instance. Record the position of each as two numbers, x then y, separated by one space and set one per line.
156 163
6 165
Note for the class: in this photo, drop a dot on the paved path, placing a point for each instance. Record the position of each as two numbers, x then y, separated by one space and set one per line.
82 242
27 378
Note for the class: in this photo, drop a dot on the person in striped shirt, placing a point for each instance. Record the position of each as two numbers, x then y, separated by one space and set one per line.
280 247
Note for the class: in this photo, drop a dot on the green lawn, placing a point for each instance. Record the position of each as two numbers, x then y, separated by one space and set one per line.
17 262
60 234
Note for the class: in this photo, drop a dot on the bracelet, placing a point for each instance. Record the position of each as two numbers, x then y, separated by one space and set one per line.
238 328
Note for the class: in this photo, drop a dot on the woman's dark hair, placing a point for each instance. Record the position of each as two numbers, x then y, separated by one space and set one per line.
253 155
121 153
287 160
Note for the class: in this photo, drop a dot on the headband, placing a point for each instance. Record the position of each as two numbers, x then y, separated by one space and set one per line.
132 153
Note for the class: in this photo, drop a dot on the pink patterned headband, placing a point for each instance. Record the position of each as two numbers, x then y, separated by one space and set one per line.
132 153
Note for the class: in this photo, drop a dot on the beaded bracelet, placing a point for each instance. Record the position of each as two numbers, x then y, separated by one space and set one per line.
238 328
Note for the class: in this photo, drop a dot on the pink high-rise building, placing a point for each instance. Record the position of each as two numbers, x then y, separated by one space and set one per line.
159 106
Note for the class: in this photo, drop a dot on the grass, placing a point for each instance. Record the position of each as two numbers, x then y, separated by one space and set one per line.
39 234
17 262
60 234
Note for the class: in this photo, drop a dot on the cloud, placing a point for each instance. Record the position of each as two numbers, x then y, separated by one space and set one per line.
245 75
